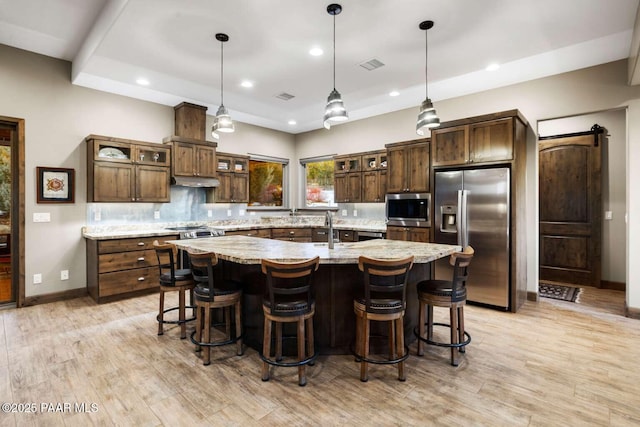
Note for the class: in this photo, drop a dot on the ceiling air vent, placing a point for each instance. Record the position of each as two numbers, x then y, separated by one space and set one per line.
285 96
372 64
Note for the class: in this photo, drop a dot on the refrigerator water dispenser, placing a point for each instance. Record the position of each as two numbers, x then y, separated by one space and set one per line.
449 220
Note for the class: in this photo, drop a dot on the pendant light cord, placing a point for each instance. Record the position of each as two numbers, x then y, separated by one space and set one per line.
221 73
334 52
426 64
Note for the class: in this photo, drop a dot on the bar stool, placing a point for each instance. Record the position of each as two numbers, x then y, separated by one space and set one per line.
173 280
289 299
226 294
444 293
384 299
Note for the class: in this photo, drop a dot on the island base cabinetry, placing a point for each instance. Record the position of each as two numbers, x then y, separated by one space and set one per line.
122 267
335 287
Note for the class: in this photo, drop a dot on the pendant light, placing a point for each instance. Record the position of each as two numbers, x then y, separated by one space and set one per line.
334 111
222 122
427 118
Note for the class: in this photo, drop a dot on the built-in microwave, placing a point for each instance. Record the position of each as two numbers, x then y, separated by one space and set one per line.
408 209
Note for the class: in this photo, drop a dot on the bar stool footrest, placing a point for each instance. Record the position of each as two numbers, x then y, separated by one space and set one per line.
176 322
459 345
215 343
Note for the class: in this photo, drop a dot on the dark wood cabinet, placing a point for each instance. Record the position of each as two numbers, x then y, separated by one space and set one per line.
120 267
374 176
482 142
255 232
192 157
123 170
233 173
348 179
408 167
292 234
408 234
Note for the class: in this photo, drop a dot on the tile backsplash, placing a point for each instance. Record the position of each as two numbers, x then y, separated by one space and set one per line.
189 204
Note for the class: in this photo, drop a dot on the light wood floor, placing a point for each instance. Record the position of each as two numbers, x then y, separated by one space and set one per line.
552 363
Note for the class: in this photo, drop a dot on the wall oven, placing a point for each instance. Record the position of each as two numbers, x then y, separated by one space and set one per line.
408 209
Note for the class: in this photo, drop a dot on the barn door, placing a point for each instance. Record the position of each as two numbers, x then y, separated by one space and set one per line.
570 207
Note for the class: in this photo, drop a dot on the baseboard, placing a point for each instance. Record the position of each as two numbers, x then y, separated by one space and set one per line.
55 296
616 286
532 296
633 313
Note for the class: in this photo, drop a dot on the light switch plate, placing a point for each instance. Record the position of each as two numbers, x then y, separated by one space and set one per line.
97 216
355 212
608 215
241 213
209 213
156 214
37 278
228 212
344 212
42 217
64 274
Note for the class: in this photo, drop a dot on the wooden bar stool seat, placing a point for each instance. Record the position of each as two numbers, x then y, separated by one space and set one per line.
444 293
173 280
289 299
209 295
383 300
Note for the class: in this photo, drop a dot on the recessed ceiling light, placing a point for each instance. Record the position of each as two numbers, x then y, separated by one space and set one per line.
142 82
316 51
292 122
493 67
394 93
246 83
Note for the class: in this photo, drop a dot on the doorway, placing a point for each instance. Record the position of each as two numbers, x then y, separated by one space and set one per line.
613 190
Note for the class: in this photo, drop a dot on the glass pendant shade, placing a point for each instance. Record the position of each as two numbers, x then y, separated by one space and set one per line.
334 111
222 122
427 118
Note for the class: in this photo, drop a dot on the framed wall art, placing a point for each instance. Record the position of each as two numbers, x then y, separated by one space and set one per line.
55 185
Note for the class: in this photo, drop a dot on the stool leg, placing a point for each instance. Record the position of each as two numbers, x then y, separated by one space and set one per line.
181 316
392 340
364 366
358 337
461 327
310 337
429 322
239 327
266 348
199 321
400 347
207 335
227 322
421 321
453 318
278 341
302 377
161 313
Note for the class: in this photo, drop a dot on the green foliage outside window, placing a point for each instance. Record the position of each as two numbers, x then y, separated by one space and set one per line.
319 183
265 183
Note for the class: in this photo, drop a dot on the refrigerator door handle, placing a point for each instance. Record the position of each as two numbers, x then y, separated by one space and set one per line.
464 238
459 220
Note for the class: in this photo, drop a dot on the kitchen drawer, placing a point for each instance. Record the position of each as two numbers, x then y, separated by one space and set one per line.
294 239
134 244
127 260
278 233
347 236
121 282
258 232
320 235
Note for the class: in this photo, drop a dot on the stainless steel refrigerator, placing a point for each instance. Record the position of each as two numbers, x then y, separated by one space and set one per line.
472 207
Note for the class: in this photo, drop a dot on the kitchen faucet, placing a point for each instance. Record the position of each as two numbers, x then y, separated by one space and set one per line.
329 223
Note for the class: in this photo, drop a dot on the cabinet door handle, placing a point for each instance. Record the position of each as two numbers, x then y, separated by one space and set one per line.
321 233
292 233
141 259
140 243
140 279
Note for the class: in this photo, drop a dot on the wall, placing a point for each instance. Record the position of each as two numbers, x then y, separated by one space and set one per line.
58 116
584 91
614 153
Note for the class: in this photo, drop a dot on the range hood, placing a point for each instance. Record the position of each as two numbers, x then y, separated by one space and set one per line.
188 181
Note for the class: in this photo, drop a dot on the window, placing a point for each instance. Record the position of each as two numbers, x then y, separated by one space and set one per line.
267 181
318 184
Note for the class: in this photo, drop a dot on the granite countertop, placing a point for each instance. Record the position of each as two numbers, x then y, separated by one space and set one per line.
160 229
251 250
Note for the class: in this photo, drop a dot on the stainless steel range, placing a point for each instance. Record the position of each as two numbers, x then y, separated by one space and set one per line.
197 231
193 232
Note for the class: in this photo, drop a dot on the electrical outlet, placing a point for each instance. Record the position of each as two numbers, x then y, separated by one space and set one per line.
228 212
344 212
209 213
355 212
241 213
64 274
156 214
37 279
97 216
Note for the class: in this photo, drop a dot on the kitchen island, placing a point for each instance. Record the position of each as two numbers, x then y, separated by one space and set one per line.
336 282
